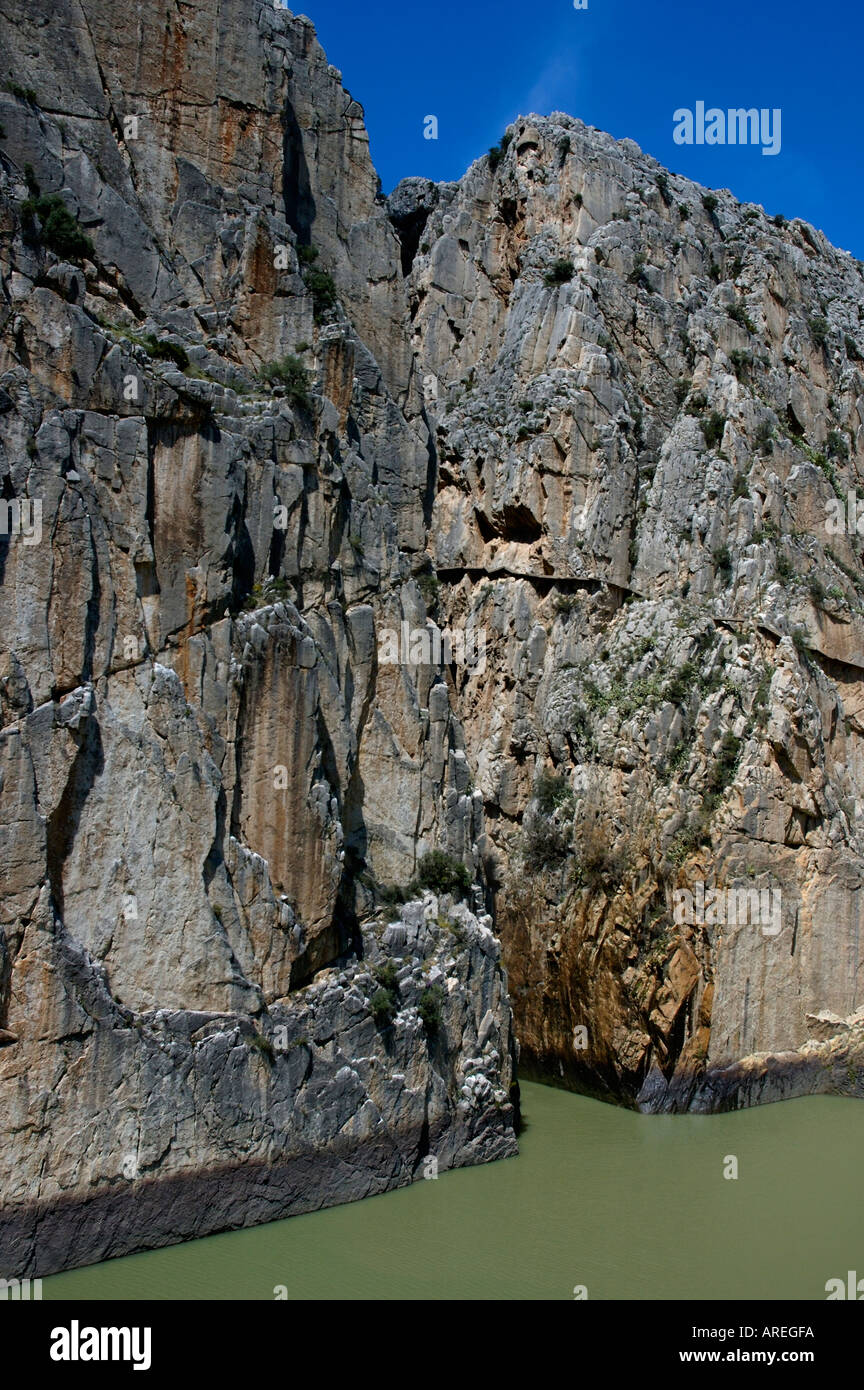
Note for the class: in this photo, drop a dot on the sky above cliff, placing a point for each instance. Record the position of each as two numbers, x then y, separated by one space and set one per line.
626 67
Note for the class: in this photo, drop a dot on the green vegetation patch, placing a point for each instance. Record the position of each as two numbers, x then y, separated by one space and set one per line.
56 228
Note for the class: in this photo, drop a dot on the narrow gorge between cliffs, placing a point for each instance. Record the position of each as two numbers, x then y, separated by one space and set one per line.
432 658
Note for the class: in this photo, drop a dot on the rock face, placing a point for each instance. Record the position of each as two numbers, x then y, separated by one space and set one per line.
205 775
178 1122
487 520
649 412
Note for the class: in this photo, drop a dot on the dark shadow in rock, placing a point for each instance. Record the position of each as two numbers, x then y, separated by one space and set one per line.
63 822
296 184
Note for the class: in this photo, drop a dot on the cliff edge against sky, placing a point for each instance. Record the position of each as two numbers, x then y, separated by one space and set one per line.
259 423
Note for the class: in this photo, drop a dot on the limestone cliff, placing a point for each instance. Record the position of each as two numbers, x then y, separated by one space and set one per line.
269 422
648 406
205 775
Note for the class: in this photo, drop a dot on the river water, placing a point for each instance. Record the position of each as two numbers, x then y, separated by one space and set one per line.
625 1205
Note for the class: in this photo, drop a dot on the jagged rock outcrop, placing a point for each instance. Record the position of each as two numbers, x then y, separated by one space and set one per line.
177 1121
271 424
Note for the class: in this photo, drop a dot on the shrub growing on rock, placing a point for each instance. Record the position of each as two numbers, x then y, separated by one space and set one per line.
819 329
57 228
391 894
551 791
289 372
430 1007
383 1006
722 558
497 152
561 273
387 975
713 426
27 94
167 352
322 288
739 315
259 1043
726 764
443 874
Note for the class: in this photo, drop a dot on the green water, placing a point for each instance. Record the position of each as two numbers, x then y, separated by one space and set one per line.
631 1206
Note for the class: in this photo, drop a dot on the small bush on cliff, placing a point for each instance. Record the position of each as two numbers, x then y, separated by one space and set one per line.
552 791
442 874
165 351
722 557
289 372
725 765
713 426
392 894
682 684
497 152
430 1008
56 227
27 94
740 486
801 642
739 315
596 859
383 1005
836 445
263 1045
322 287
567 603
547 831
430 587
637 275
387 976
271 591
562 273
546 843
819 329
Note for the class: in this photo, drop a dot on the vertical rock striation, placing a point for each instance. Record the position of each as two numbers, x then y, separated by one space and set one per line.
204 774
259 428
649 411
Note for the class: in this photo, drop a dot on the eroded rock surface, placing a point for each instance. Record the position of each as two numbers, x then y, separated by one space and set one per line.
649 412
204 774
272 424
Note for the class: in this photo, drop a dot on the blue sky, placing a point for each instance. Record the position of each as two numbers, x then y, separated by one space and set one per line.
625 67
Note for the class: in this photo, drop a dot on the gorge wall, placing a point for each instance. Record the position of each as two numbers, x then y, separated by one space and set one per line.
208 1017
570 405
648 420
